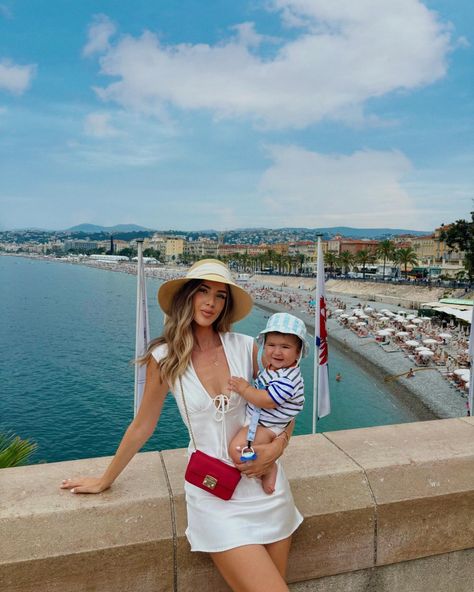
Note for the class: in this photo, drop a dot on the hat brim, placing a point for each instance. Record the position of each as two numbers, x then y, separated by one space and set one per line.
242 302
261 340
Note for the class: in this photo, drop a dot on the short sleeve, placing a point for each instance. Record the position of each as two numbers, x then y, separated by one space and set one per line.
160 352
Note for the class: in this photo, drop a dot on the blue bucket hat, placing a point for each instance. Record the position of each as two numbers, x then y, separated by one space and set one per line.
283 322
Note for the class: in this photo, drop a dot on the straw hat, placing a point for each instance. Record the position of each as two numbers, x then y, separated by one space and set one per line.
211 270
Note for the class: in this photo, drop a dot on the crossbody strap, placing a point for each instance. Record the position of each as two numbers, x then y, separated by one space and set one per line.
187 414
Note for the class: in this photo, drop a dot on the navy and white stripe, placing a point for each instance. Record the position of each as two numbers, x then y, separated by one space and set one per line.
286 388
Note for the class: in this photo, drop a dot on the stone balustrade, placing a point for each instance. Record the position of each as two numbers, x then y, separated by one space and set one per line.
386 509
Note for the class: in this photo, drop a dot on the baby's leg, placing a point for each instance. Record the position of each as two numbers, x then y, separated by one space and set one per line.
265 436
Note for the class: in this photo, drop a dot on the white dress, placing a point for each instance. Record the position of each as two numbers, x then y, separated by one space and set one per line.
251 516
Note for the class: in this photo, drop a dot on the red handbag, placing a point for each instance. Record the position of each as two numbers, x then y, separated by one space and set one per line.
207 472
212 475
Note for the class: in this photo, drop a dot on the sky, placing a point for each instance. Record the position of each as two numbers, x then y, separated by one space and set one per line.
222 114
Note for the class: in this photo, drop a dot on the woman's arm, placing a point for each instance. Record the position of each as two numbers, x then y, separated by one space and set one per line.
267 454
138 432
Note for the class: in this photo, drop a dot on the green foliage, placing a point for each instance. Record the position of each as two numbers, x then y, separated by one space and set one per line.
405 256
14 451
346 260
364 256
385 249
460 237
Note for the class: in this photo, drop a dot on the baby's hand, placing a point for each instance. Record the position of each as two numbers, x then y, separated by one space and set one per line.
237 384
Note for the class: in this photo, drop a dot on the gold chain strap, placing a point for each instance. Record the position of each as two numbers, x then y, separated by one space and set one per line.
187 414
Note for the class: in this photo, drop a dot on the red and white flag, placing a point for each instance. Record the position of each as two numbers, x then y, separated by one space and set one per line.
321 375
470 398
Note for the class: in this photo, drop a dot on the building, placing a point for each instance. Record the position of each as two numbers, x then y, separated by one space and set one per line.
80 245
174 248
203 248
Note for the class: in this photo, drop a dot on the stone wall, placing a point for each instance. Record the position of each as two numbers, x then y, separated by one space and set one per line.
386 509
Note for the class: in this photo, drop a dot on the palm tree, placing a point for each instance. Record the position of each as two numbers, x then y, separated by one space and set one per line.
330 259
346 259
14 451
385 250
364 256
406 256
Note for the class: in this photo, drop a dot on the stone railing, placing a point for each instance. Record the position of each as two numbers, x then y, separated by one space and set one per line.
386 509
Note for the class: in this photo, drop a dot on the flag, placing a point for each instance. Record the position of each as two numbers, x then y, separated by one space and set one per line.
142 330
321 400
470 399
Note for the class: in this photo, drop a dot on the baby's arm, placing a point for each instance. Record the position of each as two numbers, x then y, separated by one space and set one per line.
258 397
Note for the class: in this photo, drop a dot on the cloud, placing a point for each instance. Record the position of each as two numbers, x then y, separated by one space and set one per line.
6 12
99 34
362 189
342 54
15 79
98 125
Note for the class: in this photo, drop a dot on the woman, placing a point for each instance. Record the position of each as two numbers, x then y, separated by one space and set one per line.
248 537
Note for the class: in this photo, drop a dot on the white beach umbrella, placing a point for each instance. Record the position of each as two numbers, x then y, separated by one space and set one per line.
344 316
410 317
361 324
384 333
338 310
426 353
410 327
429 341
418 320
352 319
412 343
402 334
445 335
391 329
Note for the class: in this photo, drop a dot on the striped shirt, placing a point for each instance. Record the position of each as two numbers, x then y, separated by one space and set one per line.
286 387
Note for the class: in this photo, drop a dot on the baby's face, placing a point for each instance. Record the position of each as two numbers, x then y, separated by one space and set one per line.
282 350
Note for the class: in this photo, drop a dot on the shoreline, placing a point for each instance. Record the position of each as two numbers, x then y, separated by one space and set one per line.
427 397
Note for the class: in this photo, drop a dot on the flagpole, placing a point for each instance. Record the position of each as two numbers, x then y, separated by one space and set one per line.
141 329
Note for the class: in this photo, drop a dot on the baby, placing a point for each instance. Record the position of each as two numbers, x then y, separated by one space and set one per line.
279 392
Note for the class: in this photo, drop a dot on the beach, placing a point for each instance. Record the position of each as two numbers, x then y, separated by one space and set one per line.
428 394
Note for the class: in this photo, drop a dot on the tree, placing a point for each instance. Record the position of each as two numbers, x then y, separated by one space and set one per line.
128 252
14 451
406 256
346 259
459 236
364 256
330 259
385 250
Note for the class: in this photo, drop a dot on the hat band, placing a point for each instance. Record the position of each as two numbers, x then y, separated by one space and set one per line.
208 269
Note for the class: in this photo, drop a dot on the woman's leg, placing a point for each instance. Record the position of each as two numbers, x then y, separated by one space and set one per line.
279 552
250 568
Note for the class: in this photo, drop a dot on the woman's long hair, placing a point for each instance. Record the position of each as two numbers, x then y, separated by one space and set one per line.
178 332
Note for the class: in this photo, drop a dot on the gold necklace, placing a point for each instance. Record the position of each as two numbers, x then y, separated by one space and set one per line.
215 361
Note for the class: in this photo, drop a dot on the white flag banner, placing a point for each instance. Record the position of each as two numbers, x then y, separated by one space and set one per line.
142 331
470 398
321 399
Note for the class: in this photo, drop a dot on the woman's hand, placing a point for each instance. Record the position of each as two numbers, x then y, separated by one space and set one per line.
84 485
267 454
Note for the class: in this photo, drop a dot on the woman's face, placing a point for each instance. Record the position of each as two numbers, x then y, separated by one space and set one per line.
209 302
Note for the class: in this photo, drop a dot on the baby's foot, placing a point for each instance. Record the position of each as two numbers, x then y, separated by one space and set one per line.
269 480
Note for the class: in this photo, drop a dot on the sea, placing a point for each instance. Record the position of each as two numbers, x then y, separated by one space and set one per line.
67 338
